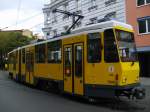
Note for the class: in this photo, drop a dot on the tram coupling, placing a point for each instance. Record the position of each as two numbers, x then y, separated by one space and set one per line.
138 93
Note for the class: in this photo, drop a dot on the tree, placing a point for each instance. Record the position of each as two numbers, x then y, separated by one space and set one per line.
11 40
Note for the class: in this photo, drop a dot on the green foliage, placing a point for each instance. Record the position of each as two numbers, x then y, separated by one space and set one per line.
12 40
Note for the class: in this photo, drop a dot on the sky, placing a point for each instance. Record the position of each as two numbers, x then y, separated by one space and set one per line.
22 14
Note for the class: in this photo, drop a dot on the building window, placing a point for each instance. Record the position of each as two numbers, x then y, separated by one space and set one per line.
109 2
93 20
65 17
93 2
54 51
79 12
79 23
66 28
66 8
148 22
77 4
147 1
144 25
54 18
48 34
110 15
93 5
55 32
142 2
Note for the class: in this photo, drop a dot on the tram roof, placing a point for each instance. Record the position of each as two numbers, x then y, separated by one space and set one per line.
93 27
103 25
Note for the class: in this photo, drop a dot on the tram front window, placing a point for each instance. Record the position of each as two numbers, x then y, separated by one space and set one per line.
126 44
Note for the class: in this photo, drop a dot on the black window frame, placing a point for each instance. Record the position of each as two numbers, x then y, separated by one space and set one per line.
68 60
139 2
144 2
52 47
145 29
40 50
110 48
99 49
79 61
142 26
147 1
23 56
148 22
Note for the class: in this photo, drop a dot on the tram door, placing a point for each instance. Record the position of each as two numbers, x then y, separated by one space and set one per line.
73 69
68 77
78 68
29 67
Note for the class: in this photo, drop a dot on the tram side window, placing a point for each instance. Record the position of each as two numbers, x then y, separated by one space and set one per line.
15 60
110 52
16 55
23 55
54 51
40 53
94 47
11 59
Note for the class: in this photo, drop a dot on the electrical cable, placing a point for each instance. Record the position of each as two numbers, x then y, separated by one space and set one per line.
18 11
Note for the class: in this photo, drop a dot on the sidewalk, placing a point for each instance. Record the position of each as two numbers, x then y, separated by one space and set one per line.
145 81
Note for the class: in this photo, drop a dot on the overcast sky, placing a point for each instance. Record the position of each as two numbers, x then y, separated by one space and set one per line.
29 16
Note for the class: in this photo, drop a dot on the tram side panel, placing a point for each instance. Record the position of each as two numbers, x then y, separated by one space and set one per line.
10 64
48 62
54 60
73 64
100 76
15 64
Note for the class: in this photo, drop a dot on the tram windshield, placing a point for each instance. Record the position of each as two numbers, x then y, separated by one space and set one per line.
126 44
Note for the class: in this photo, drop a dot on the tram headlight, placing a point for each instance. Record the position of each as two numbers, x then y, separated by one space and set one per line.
137 79
124 80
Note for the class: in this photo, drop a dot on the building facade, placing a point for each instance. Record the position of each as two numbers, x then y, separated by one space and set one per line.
92 10
134 12
138 15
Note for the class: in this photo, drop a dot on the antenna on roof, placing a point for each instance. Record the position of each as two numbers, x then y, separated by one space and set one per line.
74 15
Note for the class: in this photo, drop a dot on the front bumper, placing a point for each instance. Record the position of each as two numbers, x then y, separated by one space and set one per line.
105 91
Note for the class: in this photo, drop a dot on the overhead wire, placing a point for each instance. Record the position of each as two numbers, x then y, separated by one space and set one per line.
58 16
26 19
36 25
18 11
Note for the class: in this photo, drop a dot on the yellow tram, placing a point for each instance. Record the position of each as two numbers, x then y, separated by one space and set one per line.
94 61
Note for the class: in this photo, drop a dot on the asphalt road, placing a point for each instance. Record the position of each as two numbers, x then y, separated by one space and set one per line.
15 97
